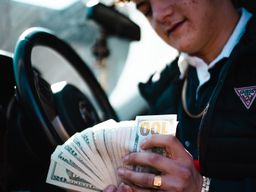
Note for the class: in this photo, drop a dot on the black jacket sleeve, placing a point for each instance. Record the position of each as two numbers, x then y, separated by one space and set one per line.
235 185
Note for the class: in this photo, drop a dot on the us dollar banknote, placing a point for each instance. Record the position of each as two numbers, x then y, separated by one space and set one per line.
60 176
88 161
146 126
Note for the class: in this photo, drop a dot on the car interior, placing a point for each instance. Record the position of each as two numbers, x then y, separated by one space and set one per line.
38 109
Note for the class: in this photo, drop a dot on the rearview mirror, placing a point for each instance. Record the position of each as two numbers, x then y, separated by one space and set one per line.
114 22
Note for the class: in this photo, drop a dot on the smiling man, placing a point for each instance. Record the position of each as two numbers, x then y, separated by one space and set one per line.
212 88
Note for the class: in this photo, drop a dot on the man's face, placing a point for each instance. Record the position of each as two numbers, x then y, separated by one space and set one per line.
187 25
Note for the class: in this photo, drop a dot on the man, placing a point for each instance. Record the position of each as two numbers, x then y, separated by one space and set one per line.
212 87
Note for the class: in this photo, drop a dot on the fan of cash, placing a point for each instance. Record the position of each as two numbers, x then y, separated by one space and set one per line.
88 161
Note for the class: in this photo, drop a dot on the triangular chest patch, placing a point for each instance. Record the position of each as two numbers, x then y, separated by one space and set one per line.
247 95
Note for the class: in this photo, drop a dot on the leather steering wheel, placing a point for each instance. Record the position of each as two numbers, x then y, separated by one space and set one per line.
29 93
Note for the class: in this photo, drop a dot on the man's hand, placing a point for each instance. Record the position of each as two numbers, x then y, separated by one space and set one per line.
178 172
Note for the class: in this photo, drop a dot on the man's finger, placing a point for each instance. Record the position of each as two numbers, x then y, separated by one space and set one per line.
140 180
148 159
170 143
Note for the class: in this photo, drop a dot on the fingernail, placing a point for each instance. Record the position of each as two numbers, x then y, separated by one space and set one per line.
120 172
121 185
125 158
110 188
143 142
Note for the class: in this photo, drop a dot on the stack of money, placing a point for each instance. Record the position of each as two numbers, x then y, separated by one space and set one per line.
89 160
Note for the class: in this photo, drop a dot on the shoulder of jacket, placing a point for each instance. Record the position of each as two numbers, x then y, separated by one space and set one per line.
159 81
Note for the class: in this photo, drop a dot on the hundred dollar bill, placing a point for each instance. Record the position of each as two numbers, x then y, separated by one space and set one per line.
84 157
60 176
63 158
99 140
146 126
94 146
88 161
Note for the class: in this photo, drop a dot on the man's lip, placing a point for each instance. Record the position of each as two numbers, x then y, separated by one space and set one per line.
175 27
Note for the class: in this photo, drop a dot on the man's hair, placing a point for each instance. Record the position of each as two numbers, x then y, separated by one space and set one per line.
249 4
237 3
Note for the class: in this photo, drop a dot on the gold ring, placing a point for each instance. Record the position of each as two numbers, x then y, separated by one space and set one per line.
157 182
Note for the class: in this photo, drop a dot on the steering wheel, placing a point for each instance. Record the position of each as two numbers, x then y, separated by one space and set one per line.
39 102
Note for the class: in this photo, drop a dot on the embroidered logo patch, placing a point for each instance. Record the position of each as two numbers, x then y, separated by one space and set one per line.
247 95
